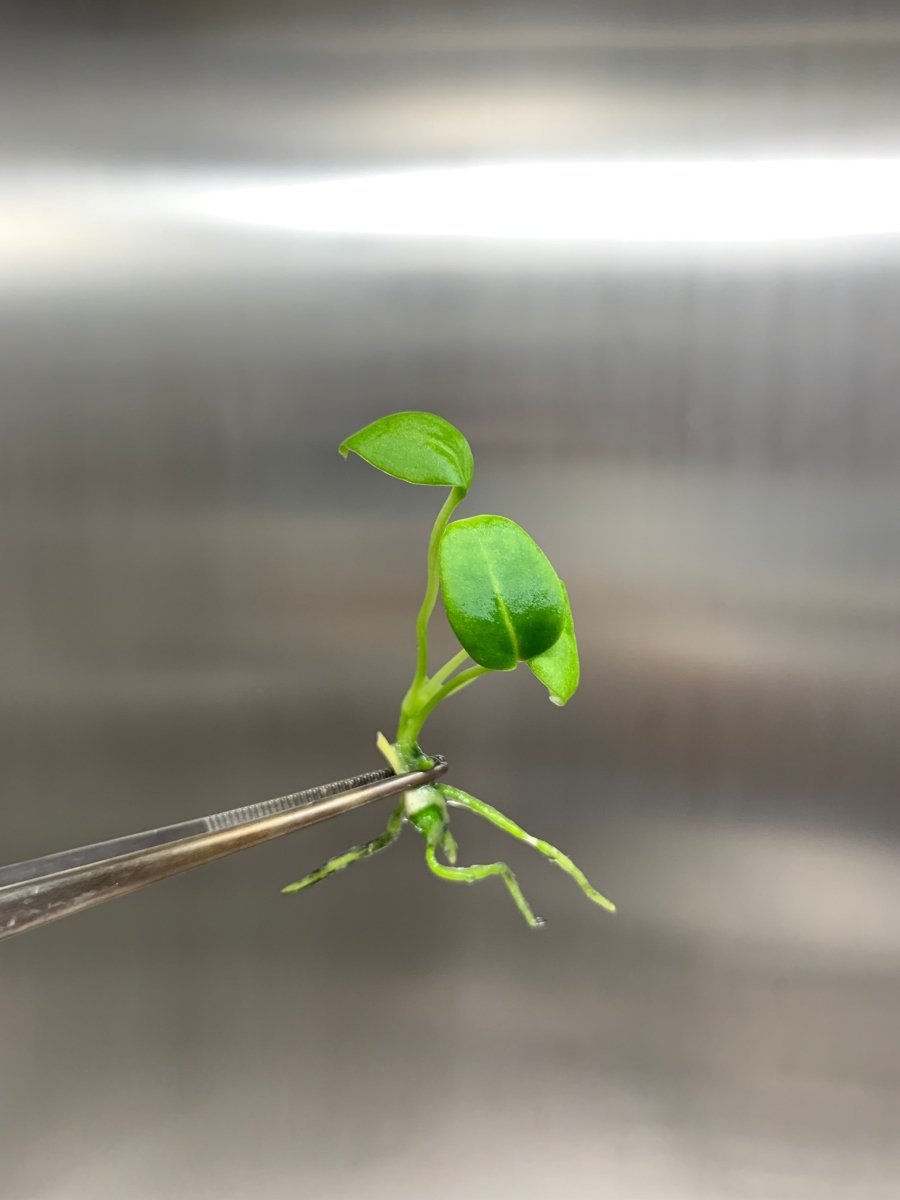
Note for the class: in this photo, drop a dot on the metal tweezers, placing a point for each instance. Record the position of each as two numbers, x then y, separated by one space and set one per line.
41 890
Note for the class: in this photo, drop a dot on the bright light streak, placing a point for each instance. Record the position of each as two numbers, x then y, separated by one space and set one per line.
629 202
58 222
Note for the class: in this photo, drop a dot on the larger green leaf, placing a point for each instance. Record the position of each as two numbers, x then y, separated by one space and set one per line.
558 668
504 601
419 447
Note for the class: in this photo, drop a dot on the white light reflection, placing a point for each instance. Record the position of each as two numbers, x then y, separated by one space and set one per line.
631 202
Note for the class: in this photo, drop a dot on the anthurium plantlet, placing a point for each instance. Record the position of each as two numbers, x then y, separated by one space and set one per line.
505 604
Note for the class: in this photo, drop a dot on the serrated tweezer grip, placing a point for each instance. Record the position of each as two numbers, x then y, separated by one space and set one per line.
45 889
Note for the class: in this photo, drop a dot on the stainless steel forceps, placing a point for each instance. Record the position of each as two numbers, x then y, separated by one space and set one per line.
45 889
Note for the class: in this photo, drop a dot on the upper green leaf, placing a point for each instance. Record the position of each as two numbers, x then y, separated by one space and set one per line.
419 447
504 601
557 668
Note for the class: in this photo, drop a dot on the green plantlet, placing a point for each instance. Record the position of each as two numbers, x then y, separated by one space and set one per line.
505 604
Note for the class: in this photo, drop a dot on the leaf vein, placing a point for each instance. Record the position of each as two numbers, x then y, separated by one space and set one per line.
501 603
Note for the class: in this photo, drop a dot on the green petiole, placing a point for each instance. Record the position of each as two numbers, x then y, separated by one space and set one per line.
432 585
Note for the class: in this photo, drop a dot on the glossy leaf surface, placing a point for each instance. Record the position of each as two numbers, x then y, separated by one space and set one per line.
418 447
504 601
558 668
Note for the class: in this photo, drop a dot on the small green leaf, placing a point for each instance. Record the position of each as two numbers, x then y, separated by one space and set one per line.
504 601
419 447
557 668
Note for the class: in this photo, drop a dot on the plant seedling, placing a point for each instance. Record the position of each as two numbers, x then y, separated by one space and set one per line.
505 604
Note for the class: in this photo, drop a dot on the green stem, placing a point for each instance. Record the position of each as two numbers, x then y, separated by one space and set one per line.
413 716
432 583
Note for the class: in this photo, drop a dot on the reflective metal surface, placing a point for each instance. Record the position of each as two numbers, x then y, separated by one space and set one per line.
62 884
199 598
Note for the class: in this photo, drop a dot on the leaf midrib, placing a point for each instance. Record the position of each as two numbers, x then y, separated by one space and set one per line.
501 603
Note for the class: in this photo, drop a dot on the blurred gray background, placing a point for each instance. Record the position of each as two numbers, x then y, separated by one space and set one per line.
203 606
